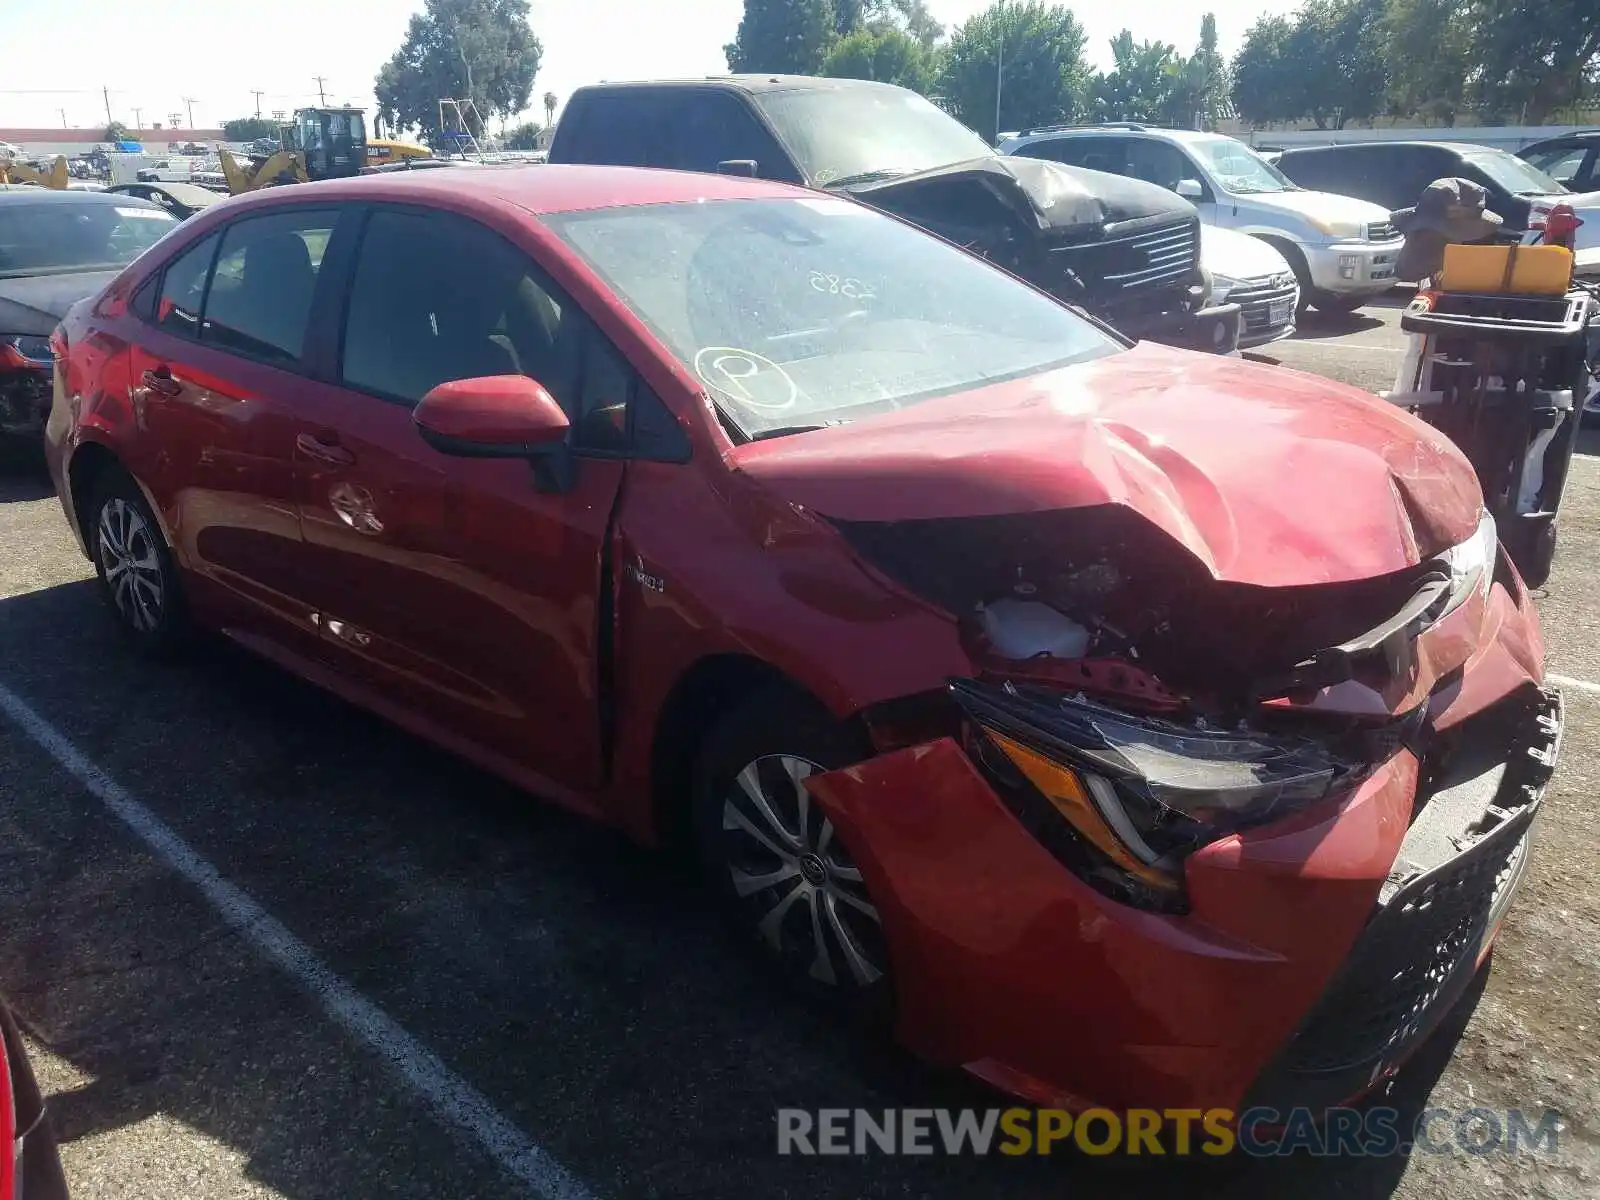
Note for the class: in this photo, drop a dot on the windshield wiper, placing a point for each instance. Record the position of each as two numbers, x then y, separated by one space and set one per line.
867 177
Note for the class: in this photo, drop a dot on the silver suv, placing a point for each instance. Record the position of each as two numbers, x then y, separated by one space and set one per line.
1343 250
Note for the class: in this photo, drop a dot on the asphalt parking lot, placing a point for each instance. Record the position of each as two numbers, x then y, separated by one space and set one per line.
405 979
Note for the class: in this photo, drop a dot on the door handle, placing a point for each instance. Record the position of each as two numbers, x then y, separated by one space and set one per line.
330 452
160 381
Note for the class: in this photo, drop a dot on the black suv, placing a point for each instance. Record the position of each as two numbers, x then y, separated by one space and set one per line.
1124 250
1394 175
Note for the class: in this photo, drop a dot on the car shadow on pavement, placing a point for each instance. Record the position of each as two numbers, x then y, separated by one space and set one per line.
579 982
1315 325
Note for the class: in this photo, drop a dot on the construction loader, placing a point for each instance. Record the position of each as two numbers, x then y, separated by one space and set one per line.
321 143
56 177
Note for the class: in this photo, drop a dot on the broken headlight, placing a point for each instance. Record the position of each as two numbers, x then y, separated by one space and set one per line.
1471 566
1138 792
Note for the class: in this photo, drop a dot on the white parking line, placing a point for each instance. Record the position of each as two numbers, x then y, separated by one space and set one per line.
1567 681
450 1096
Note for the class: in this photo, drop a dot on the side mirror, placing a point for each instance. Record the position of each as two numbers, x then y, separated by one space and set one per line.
738 166
495 416
499 416
1190 189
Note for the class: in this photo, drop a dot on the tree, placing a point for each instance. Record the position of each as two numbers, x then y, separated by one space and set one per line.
883 53
1207 75
1533 57
116 131
455 49
1030 54
782 37
1430 42
550 102
849 16
1140 83
1329 63
911 16
524 136
248 129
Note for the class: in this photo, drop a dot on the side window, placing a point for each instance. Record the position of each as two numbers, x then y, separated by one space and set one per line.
437 298
1062 150
616 130
1158 163
712 127
183 289
1562 163
143 303
259 305
1104 154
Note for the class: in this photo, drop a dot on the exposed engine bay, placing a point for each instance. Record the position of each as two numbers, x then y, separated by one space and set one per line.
1100 599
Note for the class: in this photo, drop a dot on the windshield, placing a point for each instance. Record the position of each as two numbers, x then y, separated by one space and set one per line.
1518 177
838 134
43 239
806 312
1238 169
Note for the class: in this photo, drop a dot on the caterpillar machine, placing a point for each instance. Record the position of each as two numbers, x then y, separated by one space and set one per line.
20 173
320 143
1501 356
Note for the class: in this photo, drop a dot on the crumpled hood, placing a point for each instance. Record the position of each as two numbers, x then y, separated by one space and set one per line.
1267 476
1054 197
34 305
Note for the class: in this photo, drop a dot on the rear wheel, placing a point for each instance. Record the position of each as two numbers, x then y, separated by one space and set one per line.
137 574
774 858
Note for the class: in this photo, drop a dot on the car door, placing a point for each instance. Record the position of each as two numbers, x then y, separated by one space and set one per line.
223 351
1570 163
463 591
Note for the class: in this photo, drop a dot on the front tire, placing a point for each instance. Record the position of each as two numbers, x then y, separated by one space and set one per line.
138 577
1335 304
776 862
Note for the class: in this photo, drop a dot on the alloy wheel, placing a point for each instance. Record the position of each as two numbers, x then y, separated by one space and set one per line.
786 861
132 565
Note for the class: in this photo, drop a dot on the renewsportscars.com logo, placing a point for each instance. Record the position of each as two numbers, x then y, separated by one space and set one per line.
1260 1132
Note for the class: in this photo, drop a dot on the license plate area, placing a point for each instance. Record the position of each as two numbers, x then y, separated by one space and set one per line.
1279 312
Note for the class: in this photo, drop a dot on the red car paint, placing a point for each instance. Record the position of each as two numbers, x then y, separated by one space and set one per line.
469 610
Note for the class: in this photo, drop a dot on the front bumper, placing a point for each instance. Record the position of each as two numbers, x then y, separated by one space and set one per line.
1309 964
1214 329
1353 268
1267 310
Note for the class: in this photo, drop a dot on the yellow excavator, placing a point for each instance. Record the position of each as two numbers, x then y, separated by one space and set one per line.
55 177
321 143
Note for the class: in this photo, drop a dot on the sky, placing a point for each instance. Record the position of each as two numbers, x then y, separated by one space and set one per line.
58 55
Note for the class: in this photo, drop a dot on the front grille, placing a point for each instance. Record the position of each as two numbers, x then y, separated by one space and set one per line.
1256 298
1455 874
1381 231
1154 259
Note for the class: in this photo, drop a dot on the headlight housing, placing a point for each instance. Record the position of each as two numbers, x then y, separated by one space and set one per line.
1340 230
1141 792
1471 565
1221 285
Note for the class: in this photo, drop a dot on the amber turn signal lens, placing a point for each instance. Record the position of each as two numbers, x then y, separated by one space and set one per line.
1070 797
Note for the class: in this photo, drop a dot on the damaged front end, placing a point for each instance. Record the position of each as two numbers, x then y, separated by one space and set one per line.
1122 249
1130 708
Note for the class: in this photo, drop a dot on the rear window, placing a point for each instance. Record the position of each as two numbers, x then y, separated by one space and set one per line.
805 312
49 237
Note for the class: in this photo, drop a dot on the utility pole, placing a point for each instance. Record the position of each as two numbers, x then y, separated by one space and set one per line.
63 113
999 81
106 92
322 94
257 95
138 119
188 103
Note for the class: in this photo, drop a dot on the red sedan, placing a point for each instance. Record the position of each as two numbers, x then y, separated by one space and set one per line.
1137 727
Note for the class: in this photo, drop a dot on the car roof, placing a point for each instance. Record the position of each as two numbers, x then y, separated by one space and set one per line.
1577 135
538 188
1115 130
751 83
1457 147
44 195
